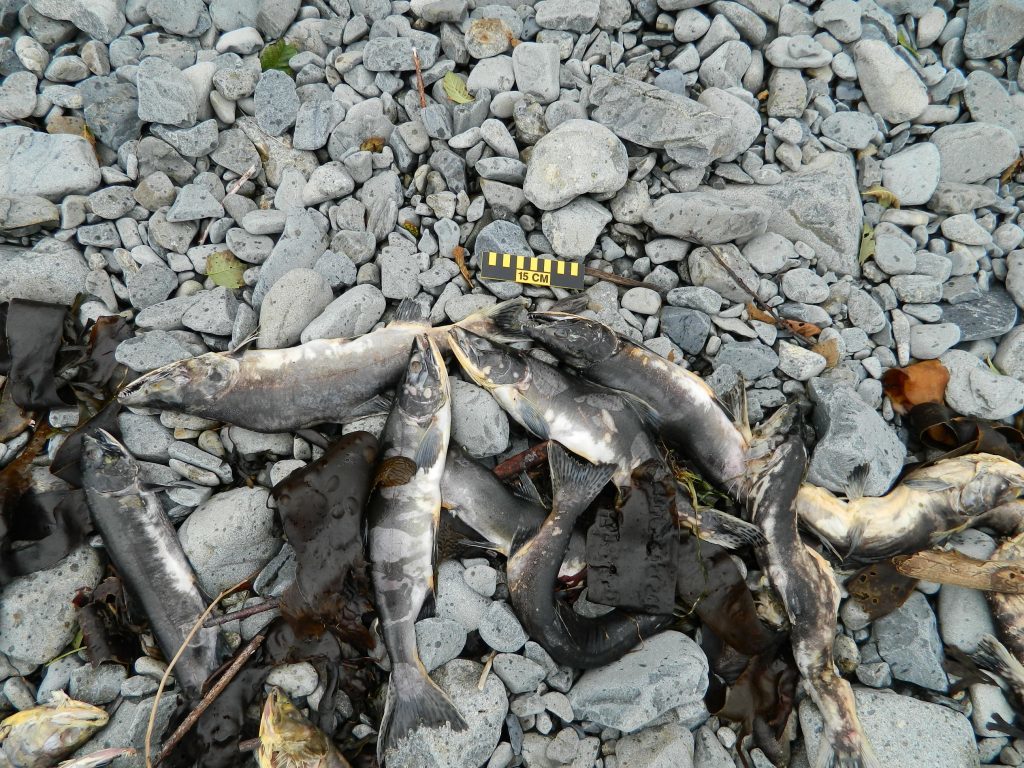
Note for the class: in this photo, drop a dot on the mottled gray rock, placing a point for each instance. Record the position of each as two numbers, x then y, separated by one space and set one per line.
520 674
101 19
850 433
688 328
47 165
165 94
194 202
975 390
819 204
990 102
578 157
904 732
913 174
230 536
706 271
702 217
908 639
212 312
690 133
667 671
150 350
455 599
662 746
304 241
891 87
478 423
439 641
574 228
854 129
150 284
484 712
352 314
799 363
536 66
993 27
291 304
35 636
927 342
964 614
97 685
277 103
974 152
568 15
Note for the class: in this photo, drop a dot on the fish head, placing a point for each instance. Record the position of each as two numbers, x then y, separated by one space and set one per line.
190 380
286 736
107 463
52 730
490 365
579 341
424 390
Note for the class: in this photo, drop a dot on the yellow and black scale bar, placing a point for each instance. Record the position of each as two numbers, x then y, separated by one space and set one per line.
531 270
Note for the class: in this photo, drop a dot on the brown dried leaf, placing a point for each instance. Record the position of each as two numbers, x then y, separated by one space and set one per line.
757 314
801 328
373 144
885 197
1013 170
459 254
829 349
923 382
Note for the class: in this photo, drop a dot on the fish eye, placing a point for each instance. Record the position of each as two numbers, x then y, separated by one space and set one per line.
415 366
428 392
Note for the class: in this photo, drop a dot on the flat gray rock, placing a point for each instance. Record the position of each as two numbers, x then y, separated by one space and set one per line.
993 27
908 639
974 152
350 315
666 671
478 423
277 103
303 241
904 732
913 174
891 87
165 94
579 157
702 217
291 304
574 228
47 165
851 433
975 390
51 271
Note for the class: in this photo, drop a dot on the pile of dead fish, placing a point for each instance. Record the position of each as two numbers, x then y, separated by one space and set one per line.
634 446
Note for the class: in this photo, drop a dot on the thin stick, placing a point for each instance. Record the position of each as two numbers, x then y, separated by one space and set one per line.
249 745
234 188
167 673
521 462
243 613
611 277
487 671
419 78
229 674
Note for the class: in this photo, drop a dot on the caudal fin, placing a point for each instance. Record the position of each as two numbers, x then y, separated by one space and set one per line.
860 756
414 701
502 323
574 484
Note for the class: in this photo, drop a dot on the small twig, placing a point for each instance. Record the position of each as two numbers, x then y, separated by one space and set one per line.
419 79
521 462
229 674
167 672
249 745
780 321
243 613
611 277
243 178
487 670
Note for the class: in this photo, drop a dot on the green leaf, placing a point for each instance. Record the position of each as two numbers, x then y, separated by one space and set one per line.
276 56
904 42
867 243
455 88
225 270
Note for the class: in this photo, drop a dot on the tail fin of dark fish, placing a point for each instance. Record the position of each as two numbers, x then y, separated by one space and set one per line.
506 319
856 481
729 531
412 312
993 656
375 406
525 488
414 701
574 484
571 305
862 757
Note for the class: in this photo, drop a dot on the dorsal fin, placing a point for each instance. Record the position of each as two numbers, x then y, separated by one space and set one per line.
411 312
857 480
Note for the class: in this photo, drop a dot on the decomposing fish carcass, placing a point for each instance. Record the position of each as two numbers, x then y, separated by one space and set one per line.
276 390
289 740
571 639
592 422
1008 609
144 547
807 586
321 508
40 736
403 517
923 509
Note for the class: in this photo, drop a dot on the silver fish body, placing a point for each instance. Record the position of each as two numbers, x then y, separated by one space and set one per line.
279 390
807 587
685 409
144 546
590 421
927 506
403 516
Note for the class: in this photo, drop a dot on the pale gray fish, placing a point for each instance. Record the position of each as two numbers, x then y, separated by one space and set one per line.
807 587
591 421
684 409
403 516
927 506
282 390
1007 609
571 639
475 496
98 758
144 547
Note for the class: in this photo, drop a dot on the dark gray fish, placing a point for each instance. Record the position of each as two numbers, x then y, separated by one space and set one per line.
144 547
569 638
593 422
1007 609
995 657
403 515
281 390
923 509
807 587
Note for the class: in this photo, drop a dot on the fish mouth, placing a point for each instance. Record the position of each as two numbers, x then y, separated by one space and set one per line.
461 345
150 388
108 465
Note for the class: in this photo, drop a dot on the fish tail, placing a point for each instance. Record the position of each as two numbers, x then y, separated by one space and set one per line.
856 755
414 701
502 323
728 531
993 656
574 484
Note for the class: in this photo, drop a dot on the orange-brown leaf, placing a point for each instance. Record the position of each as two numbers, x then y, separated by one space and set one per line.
459 253
757 314
923 382
829 349
801 328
